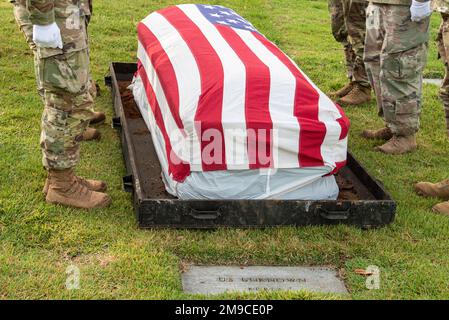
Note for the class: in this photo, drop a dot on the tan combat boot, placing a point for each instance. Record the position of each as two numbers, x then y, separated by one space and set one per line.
65 189
98 118
94 185
398 145
442 208
381 134
436 190
94 88
91 134
343 91
357 96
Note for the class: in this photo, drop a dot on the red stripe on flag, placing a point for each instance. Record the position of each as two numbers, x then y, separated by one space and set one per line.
210 105
179 170
259 124
312 130
164 69
338 167
139 65
344 124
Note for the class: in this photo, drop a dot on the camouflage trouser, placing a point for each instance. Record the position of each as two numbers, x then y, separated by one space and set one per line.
348 28
68 107
64 83
395 57
443 49
25 25
23 21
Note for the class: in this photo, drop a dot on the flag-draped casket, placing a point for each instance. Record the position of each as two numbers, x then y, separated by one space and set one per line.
228 110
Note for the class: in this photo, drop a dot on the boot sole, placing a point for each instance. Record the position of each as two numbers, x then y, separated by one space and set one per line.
101 205
422 194
95 138
434 210
346 104
97 123
394 153
104 189
374 138
425 195
335 96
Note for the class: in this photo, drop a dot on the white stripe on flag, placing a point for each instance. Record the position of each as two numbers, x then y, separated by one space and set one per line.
176 136
285 143
156 134
341 150
234 85
188 78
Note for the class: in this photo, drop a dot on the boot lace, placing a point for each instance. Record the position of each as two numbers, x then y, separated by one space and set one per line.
78 188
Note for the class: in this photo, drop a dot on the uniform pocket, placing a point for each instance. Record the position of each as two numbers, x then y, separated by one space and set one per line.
71 8
372 17
66 73
404 65
407 106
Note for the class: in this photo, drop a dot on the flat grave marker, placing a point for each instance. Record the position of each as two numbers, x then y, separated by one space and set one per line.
221 279
436 82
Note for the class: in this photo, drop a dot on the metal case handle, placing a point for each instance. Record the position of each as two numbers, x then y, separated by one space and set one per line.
205 214
334 215
108 81
128 184
116 123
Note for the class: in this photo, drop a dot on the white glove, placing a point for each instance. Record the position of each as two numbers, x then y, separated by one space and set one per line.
48 36
420 10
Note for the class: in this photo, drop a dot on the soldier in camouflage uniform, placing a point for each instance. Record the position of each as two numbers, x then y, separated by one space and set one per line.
23 21
441 189
59 33
395 56
348 28
442 7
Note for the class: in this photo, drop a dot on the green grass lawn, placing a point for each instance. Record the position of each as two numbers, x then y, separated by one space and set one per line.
39 241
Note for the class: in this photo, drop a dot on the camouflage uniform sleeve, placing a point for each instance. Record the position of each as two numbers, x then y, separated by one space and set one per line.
41 11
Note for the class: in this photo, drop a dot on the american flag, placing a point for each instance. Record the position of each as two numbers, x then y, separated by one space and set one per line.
221 96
